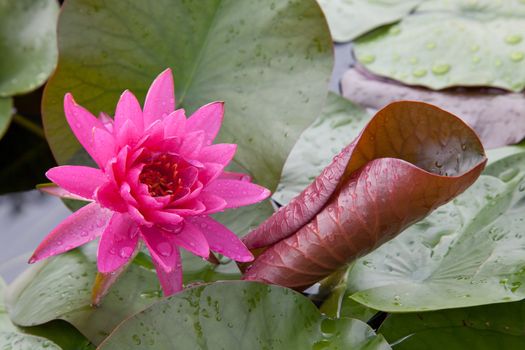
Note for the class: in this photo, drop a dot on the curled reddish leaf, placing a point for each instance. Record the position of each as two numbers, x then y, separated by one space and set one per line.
411 158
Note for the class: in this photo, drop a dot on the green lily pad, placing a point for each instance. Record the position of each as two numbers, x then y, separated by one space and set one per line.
270 61
349 19
6 113
444 44
339 124
60 288
240 315
28 44
468 252
36 338
489 327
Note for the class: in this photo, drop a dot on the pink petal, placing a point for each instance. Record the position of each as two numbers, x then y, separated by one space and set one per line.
175 123
192 239
80 180
160 100
207 118
170 279
128 134
117 244
212 203
128 109
56 191
210 172
221 153
83 124
164 217
221 239
162 247
237 193
108 195
191 144
235 176
106 120
82 226
105 146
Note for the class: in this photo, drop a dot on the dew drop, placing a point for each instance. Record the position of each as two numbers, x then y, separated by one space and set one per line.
476 59
474 48
508 174
517 56
430 45
125 252
513 39
165 249
440 69
497 63
366 59
420 72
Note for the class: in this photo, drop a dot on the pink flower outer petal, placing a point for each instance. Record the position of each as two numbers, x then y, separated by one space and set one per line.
162 247
170 280
83 124
117 244
221 239
160 99
79 180
57 191
193 240
230 175
237 193
81 227
221 153
175 124
128 110
208 118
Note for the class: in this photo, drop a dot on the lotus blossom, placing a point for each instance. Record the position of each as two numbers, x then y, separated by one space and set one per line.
159 177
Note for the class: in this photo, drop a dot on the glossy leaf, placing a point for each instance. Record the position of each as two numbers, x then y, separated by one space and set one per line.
350 19
28 44
498 118
410 159
36 338
240 315
451 43
469 252
500 326
339 122
269 61
6 113
60 288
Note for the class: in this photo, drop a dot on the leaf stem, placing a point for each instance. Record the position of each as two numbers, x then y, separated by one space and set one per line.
29 125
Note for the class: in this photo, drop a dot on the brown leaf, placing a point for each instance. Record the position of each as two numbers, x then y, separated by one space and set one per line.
411 158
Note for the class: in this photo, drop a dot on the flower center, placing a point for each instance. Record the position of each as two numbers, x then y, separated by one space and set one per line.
160 174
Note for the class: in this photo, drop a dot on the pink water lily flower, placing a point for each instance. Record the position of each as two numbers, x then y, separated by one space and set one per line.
158 178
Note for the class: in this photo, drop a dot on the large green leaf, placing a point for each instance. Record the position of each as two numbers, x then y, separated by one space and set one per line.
36 338
60 288
270 61
6 113
28 44
349 19
488 327
339 123
451 43
240 315
468 252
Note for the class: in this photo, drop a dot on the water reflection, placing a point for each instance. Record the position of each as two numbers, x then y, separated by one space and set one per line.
25 219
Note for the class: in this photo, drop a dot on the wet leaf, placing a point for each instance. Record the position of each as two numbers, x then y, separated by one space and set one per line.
468 252
60 288
270 61
28 44
350 19
498 118
500 326
410 159
240 315
451 43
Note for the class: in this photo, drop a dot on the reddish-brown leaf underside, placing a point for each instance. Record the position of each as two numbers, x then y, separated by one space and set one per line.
411 158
